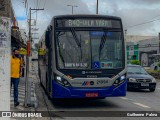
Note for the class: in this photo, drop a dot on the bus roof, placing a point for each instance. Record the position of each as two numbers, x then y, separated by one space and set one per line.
87 16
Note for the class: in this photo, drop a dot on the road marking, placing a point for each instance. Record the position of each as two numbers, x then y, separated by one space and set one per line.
145 106
124 98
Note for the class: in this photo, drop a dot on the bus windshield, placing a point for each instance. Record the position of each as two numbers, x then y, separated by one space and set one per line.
89 49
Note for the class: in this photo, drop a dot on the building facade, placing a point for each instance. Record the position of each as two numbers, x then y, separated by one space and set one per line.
6 10
147 48
132 51
143 50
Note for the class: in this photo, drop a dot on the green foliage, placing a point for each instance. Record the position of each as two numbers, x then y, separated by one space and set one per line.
135 62
154 73
159 64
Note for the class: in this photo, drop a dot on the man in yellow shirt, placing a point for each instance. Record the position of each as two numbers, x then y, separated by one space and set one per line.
15 74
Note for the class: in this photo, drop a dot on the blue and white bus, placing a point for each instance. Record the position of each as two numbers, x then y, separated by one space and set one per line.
84 57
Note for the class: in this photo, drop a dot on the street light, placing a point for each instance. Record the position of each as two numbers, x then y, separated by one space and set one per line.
97 8
125 34
72 7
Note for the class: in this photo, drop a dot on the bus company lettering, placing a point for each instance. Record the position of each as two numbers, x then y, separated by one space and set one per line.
89 23
93 72
87 83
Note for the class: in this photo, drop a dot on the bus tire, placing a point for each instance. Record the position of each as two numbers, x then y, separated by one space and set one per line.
47 91
49 97
41 83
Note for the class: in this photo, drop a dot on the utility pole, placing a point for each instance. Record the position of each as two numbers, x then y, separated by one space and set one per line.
97 8
159 42
125 32
72 7
26 102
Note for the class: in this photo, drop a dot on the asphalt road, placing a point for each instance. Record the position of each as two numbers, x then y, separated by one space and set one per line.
140 100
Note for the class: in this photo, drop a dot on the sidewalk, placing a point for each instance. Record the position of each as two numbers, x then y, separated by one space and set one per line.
21 95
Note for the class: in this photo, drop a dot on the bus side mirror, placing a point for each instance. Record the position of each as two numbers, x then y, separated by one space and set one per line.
47 38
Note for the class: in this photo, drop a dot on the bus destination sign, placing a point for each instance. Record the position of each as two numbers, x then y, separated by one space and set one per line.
88 23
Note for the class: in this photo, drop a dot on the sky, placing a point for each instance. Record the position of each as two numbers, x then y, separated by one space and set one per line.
134 13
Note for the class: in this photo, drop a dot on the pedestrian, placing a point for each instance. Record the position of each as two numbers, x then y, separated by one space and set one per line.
22 65
15 73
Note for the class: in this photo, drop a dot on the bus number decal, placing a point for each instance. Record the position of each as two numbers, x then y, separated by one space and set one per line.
102 81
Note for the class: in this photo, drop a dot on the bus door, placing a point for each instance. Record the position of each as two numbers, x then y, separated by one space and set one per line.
49 61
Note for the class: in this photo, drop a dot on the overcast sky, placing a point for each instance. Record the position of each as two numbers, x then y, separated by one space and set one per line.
132 12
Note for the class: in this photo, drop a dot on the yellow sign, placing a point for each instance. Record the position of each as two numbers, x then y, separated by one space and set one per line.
41 51
23 51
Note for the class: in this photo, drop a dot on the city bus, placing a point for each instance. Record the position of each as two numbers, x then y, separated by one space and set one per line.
83 57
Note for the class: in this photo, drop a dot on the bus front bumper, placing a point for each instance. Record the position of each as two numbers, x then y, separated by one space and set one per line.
59 91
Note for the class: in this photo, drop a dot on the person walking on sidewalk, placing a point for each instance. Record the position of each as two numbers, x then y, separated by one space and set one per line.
15 74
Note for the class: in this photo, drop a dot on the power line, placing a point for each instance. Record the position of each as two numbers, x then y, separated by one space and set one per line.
142 23
155 17
39 3
18 3
44 3
35 4
26 7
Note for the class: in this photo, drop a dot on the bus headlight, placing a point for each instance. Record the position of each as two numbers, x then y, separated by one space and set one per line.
119 80
62 81
132 80
59 78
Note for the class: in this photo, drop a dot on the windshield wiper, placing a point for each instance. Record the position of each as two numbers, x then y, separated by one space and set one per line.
60 53
78 42
75 37
103 40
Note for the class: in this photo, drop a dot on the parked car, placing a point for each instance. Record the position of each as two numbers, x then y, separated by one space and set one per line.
138 78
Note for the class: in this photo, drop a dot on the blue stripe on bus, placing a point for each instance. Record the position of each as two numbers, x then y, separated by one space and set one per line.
100 33
60 91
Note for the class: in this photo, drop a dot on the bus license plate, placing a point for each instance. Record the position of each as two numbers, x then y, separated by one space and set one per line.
91 95
144 84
